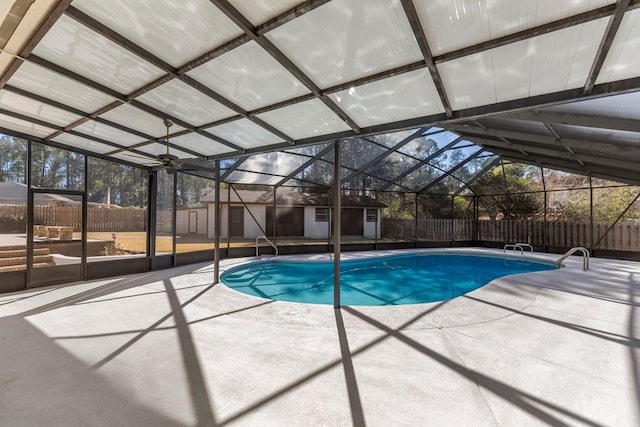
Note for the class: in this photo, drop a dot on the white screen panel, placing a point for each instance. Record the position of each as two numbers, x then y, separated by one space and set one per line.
135 158
181 100
23 126
87 53
305 119
40 81
260 11
109 133
348 39
29 107
451 25
404 96
623 61
200 144
245 133
172 30
134 118
83 143
157 148
249 77
548 63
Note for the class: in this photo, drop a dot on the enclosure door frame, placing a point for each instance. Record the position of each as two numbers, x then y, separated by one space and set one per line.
82 195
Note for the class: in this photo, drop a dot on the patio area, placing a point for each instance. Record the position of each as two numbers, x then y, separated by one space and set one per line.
171 348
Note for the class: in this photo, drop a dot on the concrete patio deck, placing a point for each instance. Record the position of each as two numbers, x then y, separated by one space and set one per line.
169 348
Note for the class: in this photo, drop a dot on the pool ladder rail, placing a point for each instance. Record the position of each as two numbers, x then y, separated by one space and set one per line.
268 241
518 246
585 257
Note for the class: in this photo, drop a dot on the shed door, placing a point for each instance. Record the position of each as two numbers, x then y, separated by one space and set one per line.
351 222
193 222
289 221
236 221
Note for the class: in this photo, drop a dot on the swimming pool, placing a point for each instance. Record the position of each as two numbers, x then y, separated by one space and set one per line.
390 280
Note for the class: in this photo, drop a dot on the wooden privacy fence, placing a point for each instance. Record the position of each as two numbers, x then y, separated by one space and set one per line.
623 236
123 219
428 229
99 218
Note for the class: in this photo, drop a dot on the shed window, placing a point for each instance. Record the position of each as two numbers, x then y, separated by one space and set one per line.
322 214
371 215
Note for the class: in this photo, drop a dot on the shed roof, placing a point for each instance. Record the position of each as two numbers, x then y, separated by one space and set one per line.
288 198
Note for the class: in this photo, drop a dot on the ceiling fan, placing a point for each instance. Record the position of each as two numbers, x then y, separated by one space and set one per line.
169 161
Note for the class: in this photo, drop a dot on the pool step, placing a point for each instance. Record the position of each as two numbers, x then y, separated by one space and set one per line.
14 258
12 253
22 267
23 260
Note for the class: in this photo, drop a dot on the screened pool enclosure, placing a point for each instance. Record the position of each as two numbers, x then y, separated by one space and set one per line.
143 135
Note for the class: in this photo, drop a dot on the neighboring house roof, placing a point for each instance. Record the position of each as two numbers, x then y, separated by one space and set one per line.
12 192
16 193
291 198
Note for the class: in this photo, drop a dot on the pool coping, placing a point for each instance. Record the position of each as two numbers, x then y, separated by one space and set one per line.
500 298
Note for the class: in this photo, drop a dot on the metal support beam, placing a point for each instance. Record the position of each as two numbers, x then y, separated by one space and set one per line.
605 44
337 229
573 119
415 220
233 167
421 164
305 165
85 220
544 213
174 219
387 153
451 171
587 161
421 38
264 233
484 170
591 245
595 245
217 226
46 24
550 27
559 164
30 214
152 216
232 13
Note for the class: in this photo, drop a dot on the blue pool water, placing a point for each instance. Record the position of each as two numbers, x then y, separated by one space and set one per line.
403 279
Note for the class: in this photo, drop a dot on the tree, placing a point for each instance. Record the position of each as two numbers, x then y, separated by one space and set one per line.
506 192
13 159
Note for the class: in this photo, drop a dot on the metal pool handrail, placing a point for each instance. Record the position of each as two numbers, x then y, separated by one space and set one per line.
525 246
585 257
268 241
521 246
514 247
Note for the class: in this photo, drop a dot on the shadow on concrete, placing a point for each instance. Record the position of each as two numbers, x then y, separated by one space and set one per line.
303 380
31 295
357 415
153 326
107 289
195 378
43 384
634 348
161 328
609 336
511 394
